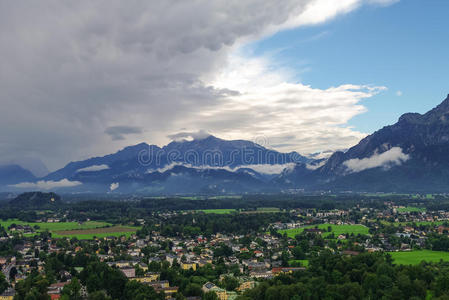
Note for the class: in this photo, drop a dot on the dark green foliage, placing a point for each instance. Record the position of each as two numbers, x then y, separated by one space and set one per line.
33 287
72 291
38 200
366 276
3 283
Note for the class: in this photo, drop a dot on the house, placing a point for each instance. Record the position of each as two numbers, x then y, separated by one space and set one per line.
8 294
143 266
149 277
169 291
188 266
246 285
160 284
55 289
129 272
170 258
280 270
258 253
261 274
210 287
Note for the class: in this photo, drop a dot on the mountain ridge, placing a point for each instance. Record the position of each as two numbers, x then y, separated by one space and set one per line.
410 155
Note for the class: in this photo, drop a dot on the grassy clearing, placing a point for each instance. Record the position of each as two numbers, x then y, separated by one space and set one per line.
86 230
415 257
411 209
425 223
268 209
96 232
221 211
261 210
336 229
303 262
56 226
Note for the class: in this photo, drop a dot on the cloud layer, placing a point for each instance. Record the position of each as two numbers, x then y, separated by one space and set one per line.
260 168
93 168
86 78
47 185
387 159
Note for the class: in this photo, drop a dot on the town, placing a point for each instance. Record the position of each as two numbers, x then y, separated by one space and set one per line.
217 253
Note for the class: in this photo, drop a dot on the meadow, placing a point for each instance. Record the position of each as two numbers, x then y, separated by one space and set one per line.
415 257
220 211
96 232
302 262
411 209
85 230
425 223
335 229
261 210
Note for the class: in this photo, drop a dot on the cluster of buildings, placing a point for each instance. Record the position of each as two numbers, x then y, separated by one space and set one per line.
256 257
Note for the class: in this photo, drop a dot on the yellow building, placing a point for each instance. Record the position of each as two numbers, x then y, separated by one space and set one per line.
246 286
8 294
221 293
122 264
149 277
170 291
210 287
186 266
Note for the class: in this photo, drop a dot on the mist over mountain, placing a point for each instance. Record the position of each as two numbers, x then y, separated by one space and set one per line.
10 174
409 156
207 165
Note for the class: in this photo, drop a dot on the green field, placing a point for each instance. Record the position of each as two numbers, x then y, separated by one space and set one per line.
86 234
303 262
411 209
262 210
96 235
426 223
336 229
268 209
415 257
221 211
56 226
86 230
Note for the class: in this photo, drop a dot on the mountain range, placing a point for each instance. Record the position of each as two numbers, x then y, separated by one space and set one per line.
409 156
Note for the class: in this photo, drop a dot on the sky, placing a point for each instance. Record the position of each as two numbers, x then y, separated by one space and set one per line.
86 78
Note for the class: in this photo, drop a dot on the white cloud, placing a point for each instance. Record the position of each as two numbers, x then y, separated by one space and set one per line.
261 168
399 93
93 168
47 185
323 154
389 158
196 135
315 166
292 116
270 169
114 186
76 74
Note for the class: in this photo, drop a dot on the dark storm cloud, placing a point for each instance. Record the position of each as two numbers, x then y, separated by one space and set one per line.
119 132
70 69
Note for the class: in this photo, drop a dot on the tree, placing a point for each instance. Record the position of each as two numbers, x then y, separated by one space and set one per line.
137 290
210 296
230 283
12 274
298 253
72 290
98 295
192 290
3 283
